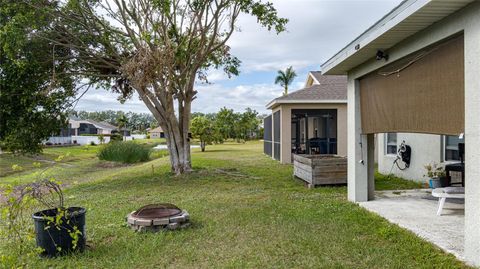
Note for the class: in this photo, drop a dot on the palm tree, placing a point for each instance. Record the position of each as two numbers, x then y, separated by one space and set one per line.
285 78
122 122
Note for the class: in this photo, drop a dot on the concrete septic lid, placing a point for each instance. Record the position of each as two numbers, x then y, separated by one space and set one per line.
158 218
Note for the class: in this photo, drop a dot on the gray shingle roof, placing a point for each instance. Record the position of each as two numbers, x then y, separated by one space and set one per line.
317 75
102 125
331 87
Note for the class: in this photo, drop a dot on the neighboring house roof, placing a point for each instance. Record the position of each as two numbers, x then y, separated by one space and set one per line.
408 18
313 78
330 89
317 75
103 125
75 123
156 130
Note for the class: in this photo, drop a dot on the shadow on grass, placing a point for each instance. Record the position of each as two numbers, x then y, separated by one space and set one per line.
392 182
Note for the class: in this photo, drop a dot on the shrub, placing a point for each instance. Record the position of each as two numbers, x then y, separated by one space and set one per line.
92 143
125 152
116 137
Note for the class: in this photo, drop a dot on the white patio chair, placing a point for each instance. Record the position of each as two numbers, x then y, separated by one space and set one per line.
448 192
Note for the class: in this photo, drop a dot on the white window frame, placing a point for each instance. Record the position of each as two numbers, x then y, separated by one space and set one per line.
386 144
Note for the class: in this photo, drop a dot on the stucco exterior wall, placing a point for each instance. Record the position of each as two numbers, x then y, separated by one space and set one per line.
286 123
467 21
426 148
155 135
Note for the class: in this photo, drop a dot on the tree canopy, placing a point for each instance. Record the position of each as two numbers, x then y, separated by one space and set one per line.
157 48
35 92
202 128
226 124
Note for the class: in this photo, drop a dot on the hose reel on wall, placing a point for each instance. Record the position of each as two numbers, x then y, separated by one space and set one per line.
404 155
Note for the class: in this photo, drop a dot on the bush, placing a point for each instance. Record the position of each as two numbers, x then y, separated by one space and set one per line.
116 137
125 152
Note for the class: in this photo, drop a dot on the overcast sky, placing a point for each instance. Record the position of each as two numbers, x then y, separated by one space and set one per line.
316 31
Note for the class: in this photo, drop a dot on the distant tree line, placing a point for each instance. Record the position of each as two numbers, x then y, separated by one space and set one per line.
226 124
130 120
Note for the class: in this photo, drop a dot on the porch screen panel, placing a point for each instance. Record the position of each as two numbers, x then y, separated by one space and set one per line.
422 93
267 135
276 135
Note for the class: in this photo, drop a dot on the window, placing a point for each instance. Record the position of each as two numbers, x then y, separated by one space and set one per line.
391 143
451 152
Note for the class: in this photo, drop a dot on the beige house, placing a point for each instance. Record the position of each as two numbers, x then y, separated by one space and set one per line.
157 133
312 120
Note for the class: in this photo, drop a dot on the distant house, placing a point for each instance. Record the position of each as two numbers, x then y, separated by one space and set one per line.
312 120
157 133
83 127
77 127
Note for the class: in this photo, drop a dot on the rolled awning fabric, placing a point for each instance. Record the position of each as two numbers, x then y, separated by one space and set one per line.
421 93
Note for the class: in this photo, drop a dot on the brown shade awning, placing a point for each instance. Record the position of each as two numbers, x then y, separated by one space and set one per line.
421 93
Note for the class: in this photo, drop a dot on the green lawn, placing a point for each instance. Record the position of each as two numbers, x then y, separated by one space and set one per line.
247 212
391 182
78 164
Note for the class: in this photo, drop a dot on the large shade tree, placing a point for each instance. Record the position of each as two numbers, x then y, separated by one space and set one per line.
35 91
157 48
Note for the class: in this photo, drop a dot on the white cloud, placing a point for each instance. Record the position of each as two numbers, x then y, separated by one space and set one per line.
316 31
97 100
211 98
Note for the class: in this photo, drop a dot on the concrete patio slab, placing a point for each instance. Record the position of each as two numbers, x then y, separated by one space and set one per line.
415 210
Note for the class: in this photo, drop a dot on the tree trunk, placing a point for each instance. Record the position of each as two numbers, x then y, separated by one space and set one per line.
202 145
178 145
179 163
176 131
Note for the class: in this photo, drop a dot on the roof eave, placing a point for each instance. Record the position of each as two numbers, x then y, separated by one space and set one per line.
342 61
276 103
399 13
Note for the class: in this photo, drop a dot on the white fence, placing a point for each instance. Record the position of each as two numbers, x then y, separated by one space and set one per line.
59 140
139 136
87 140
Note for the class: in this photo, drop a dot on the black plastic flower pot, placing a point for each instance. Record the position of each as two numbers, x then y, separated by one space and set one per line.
60 235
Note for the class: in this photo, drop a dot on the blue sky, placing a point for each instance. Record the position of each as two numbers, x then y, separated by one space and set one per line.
316 31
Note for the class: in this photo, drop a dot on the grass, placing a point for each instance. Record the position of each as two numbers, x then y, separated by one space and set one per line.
391 182
246 211
72 154
79 164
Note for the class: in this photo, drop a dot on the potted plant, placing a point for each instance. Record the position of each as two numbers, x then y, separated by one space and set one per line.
436 175
58 229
